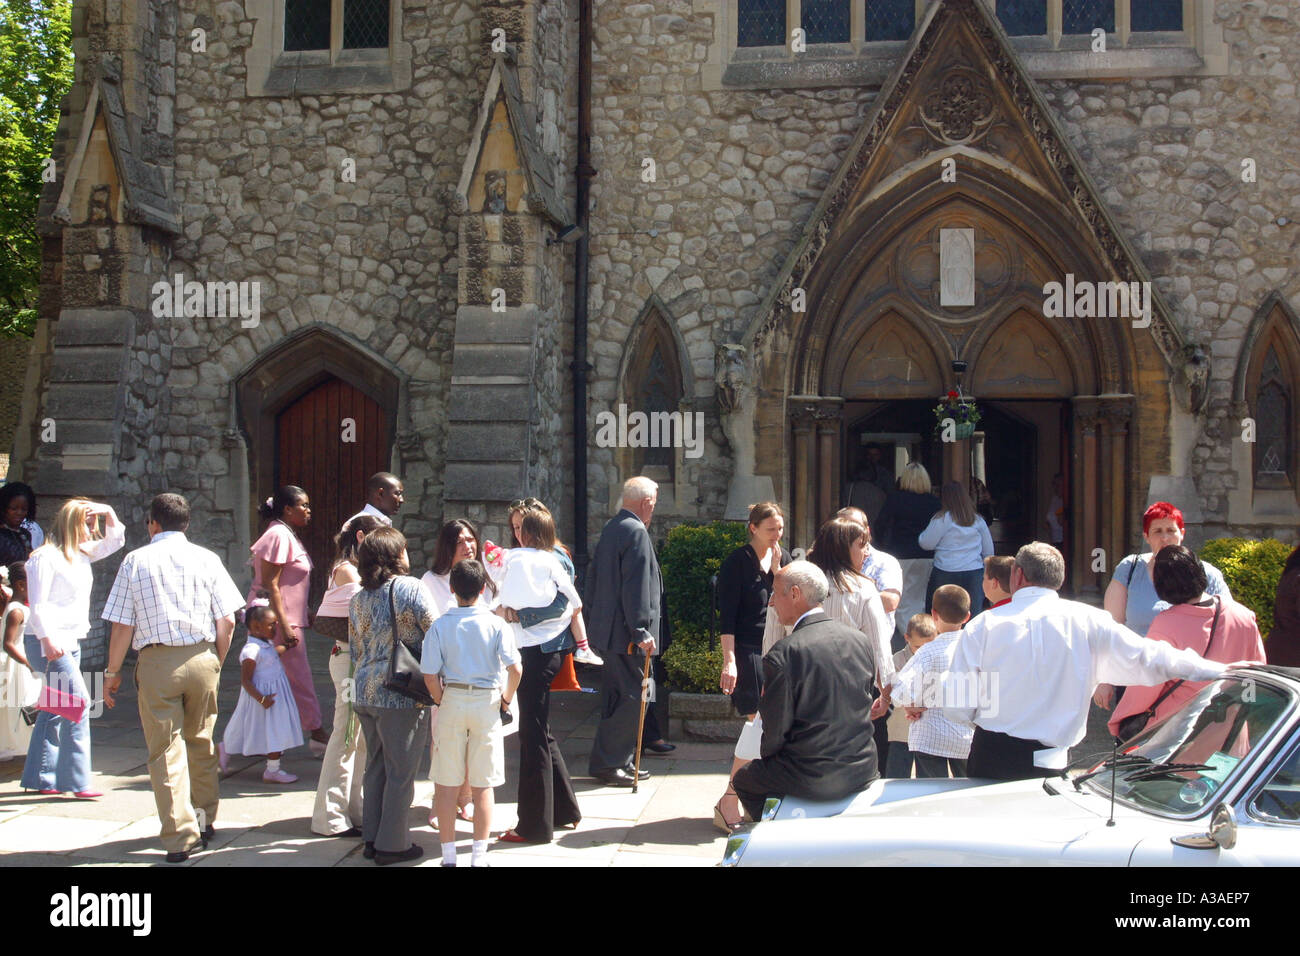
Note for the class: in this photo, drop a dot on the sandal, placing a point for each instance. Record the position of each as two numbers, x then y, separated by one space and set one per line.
462 813
510 836
719 818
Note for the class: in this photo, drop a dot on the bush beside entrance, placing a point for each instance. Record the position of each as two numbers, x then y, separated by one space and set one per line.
1252 570
691 555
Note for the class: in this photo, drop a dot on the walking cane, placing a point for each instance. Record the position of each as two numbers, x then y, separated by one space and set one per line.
640 725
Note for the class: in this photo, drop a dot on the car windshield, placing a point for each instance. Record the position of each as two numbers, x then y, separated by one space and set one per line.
1194 750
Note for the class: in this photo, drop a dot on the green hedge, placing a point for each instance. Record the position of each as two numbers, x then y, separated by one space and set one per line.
691 555
1252 570
691 666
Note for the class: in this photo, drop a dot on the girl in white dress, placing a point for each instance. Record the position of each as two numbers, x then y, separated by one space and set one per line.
19 686
265 720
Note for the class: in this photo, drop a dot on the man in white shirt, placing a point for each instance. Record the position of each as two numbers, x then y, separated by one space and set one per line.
1024 673
385 496
174 603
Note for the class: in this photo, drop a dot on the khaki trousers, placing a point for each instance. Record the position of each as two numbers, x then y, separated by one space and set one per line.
339 790
178 711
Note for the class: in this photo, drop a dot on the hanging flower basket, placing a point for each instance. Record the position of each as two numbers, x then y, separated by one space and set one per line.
964 413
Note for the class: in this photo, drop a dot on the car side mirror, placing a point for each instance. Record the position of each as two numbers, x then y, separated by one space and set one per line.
1221 835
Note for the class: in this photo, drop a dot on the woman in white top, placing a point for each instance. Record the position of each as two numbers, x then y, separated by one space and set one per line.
338 791
961 541
59 582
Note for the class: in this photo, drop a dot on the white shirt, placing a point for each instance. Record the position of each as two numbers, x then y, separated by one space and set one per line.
957 547
439 588
172 592
531 579
374 512
887 574
58 590
919 684
1029 668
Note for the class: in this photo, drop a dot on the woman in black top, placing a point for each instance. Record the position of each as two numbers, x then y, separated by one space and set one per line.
744 587
906 514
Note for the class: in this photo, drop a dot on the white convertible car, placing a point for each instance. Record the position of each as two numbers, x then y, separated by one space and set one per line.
1217 783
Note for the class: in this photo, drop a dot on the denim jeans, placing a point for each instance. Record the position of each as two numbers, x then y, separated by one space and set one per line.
58 757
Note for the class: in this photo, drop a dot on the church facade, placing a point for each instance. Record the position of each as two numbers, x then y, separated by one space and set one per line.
298 242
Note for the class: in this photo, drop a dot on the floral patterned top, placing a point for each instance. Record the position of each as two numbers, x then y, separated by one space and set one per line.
370 636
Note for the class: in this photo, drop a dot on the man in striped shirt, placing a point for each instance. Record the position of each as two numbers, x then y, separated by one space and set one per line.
174 603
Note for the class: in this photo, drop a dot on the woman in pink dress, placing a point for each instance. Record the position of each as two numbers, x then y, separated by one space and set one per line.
282 569
1215 626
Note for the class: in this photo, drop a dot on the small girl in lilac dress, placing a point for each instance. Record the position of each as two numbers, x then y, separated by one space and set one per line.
265 720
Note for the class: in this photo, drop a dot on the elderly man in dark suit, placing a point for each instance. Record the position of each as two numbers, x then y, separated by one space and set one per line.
818 687
626 618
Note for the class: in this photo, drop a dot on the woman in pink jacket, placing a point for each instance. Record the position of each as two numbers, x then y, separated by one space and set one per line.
1216 627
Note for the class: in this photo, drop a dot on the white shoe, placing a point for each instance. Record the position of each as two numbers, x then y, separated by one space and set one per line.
278 776
317 748
585 655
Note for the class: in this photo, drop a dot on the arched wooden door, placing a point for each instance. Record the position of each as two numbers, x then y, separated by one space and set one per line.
329 441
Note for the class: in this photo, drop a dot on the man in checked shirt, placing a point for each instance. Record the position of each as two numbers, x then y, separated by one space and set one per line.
175 604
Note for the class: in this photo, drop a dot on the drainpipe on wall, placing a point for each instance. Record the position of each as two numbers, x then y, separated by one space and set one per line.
584 174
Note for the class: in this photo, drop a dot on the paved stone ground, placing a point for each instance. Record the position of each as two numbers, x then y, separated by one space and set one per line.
666 823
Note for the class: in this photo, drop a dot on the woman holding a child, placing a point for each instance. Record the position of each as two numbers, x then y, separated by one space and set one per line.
537 585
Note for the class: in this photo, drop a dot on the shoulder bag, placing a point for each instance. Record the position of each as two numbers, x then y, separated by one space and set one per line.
404 674
1134 724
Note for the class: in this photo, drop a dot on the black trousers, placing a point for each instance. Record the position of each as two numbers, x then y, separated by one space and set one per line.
998 756
546 797
760 779
620 707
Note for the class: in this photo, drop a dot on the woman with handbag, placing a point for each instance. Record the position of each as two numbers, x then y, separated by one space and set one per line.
1213 625
1131 597
387 622
338 791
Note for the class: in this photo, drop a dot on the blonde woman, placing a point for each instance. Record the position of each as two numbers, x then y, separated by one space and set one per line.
59 582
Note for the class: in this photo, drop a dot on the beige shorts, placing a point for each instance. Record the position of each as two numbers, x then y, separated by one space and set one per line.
470 738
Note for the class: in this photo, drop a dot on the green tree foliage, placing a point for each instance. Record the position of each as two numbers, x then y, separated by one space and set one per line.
1252 570
35 73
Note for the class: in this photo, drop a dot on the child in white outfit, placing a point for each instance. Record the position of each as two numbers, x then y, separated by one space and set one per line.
265 720
531 579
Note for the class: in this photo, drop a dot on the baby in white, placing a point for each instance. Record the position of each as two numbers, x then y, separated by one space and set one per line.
531 579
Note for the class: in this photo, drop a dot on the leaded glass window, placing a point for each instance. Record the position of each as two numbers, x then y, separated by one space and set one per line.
307 24
1272 420
1084 16
1151 15
761 23
365 24
825 21
656 397
890 19
1023 17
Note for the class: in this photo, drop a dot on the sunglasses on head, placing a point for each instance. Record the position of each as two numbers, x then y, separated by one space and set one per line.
525 503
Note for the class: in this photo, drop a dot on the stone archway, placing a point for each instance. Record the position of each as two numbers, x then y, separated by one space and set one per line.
321 412
958 203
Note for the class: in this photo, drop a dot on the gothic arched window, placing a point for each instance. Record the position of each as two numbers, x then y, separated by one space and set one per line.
1267 386
652 385
1273 441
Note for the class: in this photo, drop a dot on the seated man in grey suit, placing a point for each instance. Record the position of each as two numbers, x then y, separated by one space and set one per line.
818 687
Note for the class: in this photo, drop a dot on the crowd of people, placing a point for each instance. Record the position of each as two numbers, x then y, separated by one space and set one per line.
995 671
440 664
842 662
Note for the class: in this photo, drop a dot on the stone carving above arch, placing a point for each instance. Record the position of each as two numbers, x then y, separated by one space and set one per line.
960 110
1023 358
891 360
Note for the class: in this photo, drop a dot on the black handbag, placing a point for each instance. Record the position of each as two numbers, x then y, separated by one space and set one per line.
1134 724
404 674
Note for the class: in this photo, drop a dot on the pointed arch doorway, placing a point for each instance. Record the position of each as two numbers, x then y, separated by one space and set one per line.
320 413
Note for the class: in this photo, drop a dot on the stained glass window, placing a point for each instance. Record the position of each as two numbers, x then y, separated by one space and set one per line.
1084 16
825 21
1272 414
1023 18
761 23
306 24
890 19
1156 15
365 24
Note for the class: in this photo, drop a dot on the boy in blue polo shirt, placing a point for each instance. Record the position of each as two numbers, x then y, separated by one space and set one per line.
464 653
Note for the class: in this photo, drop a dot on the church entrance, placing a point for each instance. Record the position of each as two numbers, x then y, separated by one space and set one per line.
1016 453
